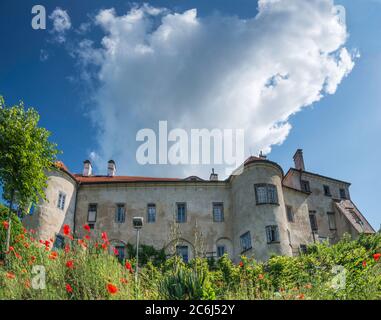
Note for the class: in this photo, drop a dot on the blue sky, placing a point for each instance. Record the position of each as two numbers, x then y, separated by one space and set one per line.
339 133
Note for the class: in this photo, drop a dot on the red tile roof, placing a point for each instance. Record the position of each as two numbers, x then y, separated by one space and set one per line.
104 179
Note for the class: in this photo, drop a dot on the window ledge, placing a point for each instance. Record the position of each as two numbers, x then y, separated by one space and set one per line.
274 242
246 250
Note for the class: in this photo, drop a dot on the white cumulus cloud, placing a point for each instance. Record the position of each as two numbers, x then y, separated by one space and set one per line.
61 23
211 72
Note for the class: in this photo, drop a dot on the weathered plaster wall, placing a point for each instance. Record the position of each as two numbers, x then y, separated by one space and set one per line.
48 218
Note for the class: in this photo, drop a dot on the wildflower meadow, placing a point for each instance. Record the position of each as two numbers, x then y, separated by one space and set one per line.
89 268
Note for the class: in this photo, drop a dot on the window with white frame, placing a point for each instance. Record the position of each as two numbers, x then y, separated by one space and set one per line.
61 200
245 241
218 212
266 194
151 213
92 212
272 234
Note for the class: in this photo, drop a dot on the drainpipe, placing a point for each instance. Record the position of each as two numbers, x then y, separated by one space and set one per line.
75 208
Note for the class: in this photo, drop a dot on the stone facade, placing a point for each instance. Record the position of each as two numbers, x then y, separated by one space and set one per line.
260 212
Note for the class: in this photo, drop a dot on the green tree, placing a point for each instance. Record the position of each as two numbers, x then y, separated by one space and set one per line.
25 155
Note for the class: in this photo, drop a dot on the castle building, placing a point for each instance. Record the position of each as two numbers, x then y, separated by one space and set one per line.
260 212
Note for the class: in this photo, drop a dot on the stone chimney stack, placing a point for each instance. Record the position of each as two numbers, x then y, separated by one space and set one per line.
213 176
87 168
111 168
298 160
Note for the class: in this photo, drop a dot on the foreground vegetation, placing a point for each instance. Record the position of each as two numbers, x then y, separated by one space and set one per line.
85 269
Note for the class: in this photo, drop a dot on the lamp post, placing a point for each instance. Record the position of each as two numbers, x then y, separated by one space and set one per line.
137 223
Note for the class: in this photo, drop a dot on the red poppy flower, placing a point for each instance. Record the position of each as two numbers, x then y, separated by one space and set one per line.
67 248
66 230
116 252
47 244
241 264
27 284
364 264
104 237
70 264
377 256
104 246
69 289
10 275
5 225
11 248
128 266
53 255
86 227
111 288
87 237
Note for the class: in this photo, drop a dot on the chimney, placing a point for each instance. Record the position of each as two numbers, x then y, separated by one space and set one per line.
262 156
298 160
213 176
87 168
111 168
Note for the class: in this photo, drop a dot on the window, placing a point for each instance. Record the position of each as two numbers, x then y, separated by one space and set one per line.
272 234
246 241
182 251
266 194
151 213
61 200
343 194
290 214
181 213
303 249
121 252
218 212
313 221
327 191
92 213
305 185
120 214
221 250
331 220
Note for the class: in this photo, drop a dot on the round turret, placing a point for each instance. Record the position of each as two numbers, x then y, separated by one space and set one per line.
260 224
58 208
